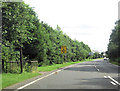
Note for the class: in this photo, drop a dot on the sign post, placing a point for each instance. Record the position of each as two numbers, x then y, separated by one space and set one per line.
64 50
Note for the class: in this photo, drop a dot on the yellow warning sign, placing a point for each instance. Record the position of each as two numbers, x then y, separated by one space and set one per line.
63 49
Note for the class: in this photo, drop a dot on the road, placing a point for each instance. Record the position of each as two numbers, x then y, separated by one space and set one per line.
98 74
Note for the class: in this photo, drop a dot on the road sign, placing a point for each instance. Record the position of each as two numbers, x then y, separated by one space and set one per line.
63 49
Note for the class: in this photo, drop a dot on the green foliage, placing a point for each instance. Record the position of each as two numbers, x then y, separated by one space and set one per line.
10 79
13 68
114 43
27 67
57 66
9 54
96 55
39 41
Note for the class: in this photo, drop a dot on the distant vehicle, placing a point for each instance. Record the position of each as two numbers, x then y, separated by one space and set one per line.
105 58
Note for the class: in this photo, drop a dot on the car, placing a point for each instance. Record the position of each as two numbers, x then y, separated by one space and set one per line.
105 58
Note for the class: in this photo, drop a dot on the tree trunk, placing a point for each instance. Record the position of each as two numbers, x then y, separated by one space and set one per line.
3 66
21 62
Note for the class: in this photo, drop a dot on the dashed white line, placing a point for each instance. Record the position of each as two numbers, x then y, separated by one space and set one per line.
114 80
105 76
98 70
112 83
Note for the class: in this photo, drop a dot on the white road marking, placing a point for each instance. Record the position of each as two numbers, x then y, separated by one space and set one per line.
97 69
58 71
113 83
35 81
114 80
40 79
105 76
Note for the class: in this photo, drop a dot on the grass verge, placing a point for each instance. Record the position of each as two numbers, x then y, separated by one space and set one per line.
10 79
57 66
114 62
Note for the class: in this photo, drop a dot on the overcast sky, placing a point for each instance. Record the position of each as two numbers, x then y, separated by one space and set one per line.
90 21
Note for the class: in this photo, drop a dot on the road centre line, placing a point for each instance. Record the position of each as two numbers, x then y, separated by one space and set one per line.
112 83
96 68
111 79
114 80
105 76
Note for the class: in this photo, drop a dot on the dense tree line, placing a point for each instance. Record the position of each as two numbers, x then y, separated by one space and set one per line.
22 30
114 43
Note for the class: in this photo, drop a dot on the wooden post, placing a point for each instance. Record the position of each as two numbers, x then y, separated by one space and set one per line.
21 63
65 58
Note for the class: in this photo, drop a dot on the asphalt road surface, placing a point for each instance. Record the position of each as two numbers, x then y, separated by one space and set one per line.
98 74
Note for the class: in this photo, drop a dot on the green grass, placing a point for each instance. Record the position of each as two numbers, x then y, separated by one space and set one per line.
57 66
114 62
10 79
100 58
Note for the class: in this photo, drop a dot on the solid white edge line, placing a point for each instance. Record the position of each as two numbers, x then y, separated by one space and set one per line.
39 79
58 71
114 80
112 83
35 81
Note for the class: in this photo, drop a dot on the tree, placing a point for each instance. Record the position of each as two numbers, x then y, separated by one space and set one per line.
35 40
114 43
16 18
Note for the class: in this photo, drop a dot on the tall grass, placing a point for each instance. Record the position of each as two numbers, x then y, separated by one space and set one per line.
10 79
57 66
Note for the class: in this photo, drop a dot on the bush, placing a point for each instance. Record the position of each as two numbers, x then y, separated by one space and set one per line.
27 67
12 68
